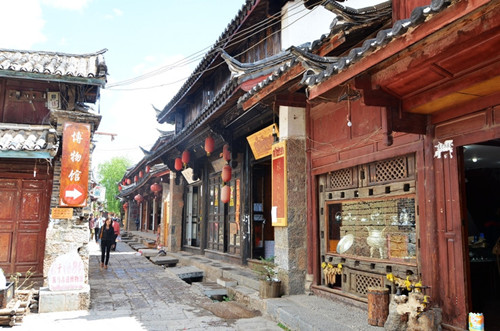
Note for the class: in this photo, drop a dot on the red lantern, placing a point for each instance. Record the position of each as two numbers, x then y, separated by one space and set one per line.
209 145
125 205
141 174
226 153
148 169
155 188
129 181
119 187
138 198
226 173
225 194
136 178
178 164
185 157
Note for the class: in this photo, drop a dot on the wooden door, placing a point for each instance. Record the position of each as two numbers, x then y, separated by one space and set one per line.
23 222
452 289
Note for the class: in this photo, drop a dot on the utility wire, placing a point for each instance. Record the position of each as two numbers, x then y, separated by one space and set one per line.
200 54
235 39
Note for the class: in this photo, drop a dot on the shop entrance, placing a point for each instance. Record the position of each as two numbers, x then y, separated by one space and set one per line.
262 230
481 175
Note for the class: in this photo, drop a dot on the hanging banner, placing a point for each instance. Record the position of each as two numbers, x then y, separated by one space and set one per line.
75 165
279 182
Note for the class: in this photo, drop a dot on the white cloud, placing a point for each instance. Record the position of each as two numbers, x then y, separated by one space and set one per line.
117 12
21 31
67 4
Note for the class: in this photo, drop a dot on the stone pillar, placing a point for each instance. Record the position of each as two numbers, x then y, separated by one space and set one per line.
175 214
291 240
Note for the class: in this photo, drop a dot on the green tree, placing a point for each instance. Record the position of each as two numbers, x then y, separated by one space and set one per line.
110 174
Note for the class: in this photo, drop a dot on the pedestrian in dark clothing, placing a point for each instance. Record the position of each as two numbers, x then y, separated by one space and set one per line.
116 226
137 224
108 238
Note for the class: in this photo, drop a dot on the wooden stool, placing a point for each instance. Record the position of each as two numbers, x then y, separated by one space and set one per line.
378 305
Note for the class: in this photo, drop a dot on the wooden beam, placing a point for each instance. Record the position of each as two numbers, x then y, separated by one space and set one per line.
440 20
273 86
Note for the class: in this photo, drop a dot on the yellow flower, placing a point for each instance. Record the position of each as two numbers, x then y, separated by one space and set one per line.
418 286
390 277
330 266
323 265
408 283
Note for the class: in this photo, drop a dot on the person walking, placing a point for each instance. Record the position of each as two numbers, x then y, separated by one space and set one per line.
116 227
107 236
98 224
92 227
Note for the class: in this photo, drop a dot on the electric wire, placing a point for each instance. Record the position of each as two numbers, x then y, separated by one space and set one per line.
235 39
242 34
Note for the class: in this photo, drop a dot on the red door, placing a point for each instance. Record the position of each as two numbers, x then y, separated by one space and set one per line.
450 241
23 222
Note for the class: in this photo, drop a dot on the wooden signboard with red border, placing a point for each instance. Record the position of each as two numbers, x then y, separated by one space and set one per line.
75 165
279 185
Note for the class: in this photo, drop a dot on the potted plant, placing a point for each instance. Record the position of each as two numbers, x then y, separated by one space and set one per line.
270 285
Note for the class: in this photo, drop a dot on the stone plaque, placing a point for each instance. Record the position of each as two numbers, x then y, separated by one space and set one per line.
67 273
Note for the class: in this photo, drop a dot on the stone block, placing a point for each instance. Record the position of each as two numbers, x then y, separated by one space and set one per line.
227 282
164 260
56 301
187 272
148 252
211 289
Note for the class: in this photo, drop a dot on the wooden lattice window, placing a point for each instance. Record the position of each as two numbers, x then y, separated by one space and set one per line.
342 179
399 168
361 281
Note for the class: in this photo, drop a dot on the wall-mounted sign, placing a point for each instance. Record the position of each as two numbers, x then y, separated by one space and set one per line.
261 142
75 165
279 185
446 147
61 213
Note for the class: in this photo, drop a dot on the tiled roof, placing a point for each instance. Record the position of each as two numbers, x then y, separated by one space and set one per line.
332 66
27 138
209 56
54 64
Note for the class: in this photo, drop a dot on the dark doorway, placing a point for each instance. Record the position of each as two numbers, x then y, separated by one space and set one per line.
481 164
262 230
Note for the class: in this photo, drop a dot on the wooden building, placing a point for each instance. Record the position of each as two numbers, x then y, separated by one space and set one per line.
403 155
40 92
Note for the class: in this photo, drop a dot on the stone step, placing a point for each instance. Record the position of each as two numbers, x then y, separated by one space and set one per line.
211 290
164 260
137 246
148 252
187 272
226 282
247 296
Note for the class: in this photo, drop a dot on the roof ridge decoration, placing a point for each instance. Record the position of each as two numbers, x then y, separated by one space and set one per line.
210 56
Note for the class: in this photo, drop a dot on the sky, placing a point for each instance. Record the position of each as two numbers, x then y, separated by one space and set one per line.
140 37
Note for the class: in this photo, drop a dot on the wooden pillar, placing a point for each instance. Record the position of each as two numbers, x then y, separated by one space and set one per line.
378 305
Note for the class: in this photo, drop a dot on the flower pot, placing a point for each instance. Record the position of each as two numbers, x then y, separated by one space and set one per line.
6 294
270 289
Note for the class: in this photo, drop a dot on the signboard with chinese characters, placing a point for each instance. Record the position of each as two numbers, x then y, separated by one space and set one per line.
61 213
261 142
75 165
279 183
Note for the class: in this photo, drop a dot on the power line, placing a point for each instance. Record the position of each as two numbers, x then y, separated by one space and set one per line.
236 38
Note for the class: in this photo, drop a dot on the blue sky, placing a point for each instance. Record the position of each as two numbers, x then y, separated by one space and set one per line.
141 36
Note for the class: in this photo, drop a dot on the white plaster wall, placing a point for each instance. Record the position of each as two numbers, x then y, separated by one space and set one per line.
301 25
292 122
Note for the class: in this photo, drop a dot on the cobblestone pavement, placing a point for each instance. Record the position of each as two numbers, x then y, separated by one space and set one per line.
135 294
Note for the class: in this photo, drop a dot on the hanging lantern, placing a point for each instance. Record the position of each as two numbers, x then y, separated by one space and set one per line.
125 205
226 153
138 198
148 169
119 187
178 164
141 174
226 173
185 157
225 194
136 178
209 145
155 188
129 181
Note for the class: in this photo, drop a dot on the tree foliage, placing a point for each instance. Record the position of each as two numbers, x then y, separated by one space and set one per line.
110 174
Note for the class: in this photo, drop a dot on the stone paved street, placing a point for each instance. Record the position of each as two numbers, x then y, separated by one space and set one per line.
135 294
